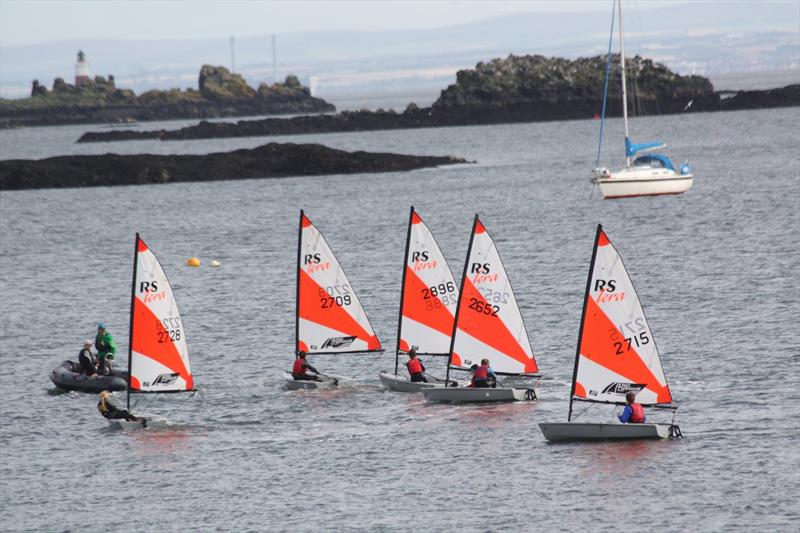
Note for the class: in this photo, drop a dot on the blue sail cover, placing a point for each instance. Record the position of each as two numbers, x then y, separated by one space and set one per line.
631 148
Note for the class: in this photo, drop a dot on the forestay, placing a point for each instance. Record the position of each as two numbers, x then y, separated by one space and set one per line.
159 356
616 352
330 318
429 294
489 323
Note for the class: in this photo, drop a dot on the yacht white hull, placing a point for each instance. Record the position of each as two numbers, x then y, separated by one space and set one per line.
293 384
641 182
578 431
476 395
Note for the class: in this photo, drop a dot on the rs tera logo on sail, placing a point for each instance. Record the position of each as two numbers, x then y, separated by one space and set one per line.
606 289
482 273
150 290
623 388
338 342
314 262
421 261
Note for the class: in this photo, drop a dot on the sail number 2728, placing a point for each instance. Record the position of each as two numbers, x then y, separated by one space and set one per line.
169 329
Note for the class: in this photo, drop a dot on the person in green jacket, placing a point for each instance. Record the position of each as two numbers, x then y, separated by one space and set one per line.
106 349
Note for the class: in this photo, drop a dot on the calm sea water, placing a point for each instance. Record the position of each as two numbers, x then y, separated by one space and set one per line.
717 270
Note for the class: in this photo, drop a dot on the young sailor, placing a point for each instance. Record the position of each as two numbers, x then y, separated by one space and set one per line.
86 360
483 376
112 412
106 349
301 366
415 367
633 412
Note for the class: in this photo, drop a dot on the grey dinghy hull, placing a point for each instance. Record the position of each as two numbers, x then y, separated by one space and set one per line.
67 376
468 395
578 431
293 384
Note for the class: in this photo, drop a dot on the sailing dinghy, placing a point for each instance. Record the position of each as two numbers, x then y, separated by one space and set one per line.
616 354
329 318
428 300
488 324
158 356
649 174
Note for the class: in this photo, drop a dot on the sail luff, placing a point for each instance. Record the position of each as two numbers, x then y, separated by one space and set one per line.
583 318
403 292
458 305
130 322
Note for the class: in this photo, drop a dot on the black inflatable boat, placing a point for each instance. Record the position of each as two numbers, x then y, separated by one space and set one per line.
68 376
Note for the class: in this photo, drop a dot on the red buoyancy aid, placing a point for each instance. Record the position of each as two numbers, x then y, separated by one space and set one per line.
637 413
414 366
482 372
298 367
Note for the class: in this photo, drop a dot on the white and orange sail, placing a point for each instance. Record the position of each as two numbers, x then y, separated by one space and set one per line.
329 316
616 351
158 358
429 294
488 322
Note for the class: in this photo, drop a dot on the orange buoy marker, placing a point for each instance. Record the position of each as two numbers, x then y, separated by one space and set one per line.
193 262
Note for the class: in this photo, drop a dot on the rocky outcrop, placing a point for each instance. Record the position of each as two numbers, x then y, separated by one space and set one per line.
268 161
220 94
515 89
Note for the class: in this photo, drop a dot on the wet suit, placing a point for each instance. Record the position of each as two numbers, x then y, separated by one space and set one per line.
112 412
85 360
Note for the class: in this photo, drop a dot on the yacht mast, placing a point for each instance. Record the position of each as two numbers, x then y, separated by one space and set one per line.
624 89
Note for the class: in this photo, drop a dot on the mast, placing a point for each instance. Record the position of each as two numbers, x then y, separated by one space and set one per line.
624 88
403 291
458 306
297 295
130 331
583 318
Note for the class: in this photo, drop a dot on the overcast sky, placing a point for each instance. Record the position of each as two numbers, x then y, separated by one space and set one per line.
25 22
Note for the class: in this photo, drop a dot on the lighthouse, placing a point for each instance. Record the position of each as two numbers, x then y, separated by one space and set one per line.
81 69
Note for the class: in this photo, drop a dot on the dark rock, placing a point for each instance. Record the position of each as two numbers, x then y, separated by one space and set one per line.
217 83
38 90
267 161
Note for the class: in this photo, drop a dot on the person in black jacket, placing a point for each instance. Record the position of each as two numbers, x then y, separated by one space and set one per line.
86 360
112 412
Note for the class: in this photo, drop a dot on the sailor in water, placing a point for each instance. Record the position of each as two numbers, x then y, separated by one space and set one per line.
86 360
106 349
633 412
415 367
112 412
299 370
483 376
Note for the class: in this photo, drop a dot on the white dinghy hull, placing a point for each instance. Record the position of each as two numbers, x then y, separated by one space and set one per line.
293 384
581 431
153 421
477 395
401 384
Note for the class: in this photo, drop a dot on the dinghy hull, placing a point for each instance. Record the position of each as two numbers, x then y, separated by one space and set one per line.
293 384
583 431
153 421
468 395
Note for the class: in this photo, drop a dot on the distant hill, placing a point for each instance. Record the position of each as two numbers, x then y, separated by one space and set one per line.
696 37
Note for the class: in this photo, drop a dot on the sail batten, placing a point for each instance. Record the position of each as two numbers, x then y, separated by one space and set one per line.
489 323
158 353
616 352
330 318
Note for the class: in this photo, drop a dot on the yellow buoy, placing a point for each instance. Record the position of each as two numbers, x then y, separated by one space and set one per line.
193 262
214 263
